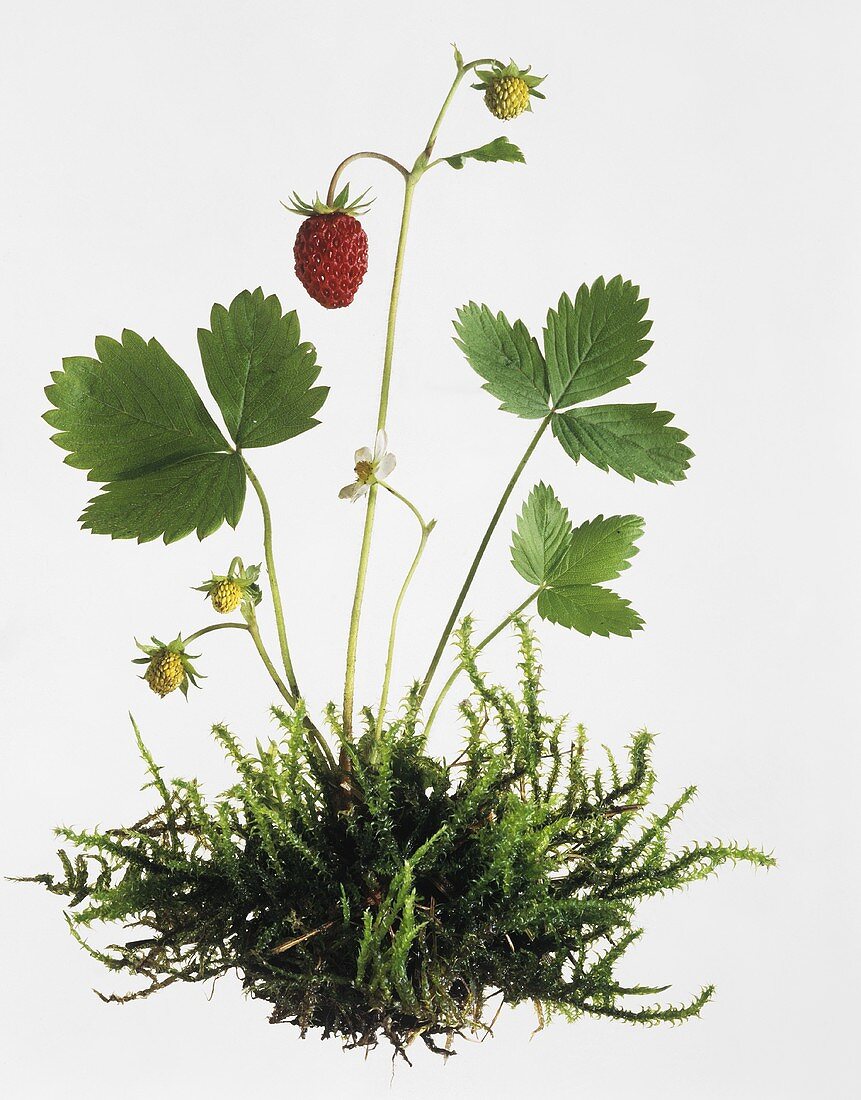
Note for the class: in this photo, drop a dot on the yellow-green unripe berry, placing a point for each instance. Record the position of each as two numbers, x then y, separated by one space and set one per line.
165 672
226 596
507 97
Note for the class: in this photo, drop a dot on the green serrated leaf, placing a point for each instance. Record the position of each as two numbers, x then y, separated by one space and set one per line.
633 440
258 371
595 343
543 536
196 493
590 609
507 357
131 410
500 149
598 550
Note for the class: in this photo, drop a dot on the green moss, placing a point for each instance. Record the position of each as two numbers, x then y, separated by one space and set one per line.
417 900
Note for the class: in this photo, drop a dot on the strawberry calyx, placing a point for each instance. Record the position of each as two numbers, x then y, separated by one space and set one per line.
488 77
341 204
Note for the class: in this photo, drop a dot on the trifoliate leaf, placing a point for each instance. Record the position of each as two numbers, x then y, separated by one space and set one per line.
130 410
598 550
595 344
500 149
507 357
633 440
258 371
590 609
542 537
196 493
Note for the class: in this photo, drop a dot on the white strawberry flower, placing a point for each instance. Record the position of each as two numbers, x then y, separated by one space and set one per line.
371 466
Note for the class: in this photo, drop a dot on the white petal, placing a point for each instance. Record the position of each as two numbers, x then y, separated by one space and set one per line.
381 445
363 455
387 464
348 491
361 489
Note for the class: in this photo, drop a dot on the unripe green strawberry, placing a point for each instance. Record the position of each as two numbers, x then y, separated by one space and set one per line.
168 666
237 587
226 596
165 672
507 97
507 89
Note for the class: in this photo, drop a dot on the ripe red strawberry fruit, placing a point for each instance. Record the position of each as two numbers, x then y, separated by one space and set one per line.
331 249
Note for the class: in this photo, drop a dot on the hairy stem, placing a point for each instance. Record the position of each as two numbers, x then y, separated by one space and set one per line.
485 641
411 180
333 186
426 529
476 561
273 580
209 629
365 551
315 734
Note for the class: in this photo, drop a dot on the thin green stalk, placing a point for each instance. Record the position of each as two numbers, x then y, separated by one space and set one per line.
252 628
476 561
411 179
461 73
333 186
318 738
209 629
426 529
273 580
485 641
365 551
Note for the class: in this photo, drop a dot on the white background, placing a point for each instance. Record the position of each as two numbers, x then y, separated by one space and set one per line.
709 152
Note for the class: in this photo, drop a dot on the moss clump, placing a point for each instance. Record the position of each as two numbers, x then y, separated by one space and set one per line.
413 903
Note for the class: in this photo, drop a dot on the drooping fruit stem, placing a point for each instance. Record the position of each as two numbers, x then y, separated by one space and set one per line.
476 561
336 175
209 629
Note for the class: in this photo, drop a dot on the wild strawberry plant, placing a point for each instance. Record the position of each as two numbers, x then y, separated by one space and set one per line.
357 882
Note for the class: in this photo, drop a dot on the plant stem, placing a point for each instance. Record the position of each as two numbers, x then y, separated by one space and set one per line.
318 738
209 629
461 73
365 551
485 641
411 179
426 529
333 186
476 561
254 631
273 580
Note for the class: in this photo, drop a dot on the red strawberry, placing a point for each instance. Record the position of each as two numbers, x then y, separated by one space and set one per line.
331 249
331 253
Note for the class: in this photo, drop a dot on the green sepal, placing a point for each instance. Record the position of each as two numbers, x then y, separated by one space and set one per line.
487 76
176 646
341 204
245 577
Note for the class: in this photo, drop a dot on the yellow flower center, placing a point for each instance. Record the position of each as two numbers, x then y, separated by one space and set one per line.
364 471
